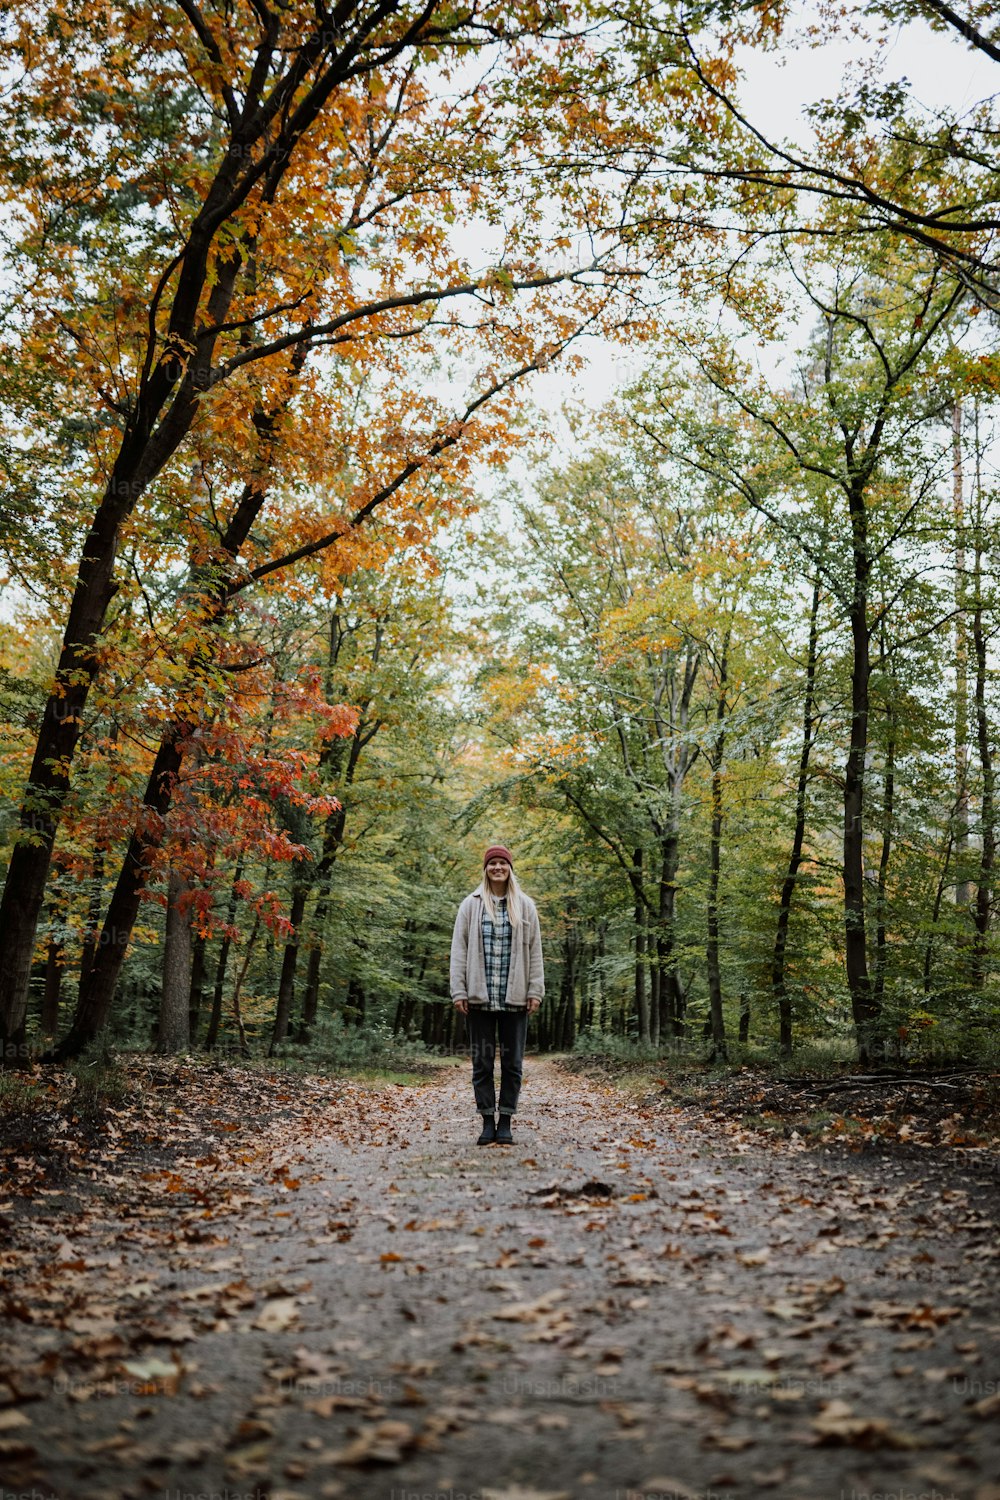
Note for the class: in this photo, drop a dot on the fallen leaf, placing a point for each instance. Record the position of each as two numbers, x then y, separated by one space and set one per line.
277 1315
837 1424
528 1312
383 1444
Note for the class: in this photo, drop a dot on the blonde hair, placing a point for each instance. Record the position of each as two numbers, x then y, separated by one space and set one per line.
513 899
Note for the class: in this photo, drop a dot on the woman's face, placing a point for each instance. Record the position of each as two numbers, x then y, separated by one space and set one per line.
498 871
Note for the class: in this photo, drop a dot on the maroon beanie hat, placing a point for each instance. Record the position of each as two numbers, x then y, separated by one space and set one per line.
497 851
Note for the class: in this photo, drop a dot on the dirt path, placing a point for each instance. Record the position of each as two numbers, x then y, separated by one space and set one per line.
622 1303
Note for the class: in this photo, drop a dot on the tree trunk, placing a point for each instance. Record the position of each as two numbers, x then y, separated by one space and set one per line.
779 986
641 998
286 984
48 780
98 990
671 1003
936 911
668 988
196 995
354 1002
863 1006
173 1033
238 987
716 1014
565 989
333 838
963 887
881 940
568 1036
93 929
310 1000
218 992
987 820
987 857
641 1001
53 988
715 1009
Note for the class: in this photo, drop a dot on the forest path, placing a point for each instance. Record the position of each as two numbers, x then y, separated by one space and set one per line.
624 1302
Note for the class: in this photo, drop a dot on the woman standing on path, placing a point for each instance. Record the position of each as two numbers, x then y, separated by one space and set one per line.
497 981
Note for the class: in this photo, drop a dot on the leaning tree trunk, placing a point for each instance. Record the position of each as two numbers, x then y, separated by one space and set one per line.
49 778
333 832
97 988
147 444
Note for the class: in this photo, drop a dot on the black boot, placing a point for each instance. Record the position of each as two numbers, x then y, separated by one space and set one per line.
503 1135
488 1134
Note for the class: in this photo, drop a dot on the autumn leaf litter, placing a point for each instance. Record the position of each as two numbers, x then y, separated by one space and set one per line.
636 1293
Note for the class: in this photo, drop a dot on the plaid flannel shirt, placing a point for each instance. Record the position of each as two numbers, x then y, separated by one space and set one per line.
496 952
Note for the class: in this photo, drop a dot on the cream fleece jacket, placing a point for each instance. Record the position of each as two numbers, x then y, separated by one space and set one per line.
526 978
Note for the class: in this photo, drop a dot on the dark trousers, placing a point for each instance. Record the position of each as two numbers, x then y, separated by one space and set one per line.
486 1028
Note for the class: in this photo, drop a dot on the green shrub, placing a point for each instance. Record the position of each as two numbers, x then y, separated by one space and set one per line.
101 1082
19 1095
594 1044
337 1047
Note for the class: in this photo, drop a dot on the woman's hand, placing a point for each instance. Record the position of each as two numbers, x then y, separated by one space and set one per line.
462 1006
533 1005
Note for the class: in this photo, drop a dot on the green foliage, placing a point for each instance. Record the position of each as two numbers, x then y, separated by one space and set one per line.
597 1045
20 1096
611 674
336 1047
101 1082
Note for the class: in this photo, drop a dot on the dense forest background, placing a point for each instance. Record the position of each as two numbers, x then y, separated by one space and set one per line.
322 571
